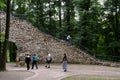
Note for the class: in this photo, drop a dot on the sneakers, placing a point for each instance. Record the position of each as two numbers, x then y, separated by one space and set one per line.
65 70
47 66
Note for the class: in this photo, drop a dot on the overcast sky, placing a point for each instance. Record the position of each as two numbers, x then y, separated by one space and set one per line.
101 1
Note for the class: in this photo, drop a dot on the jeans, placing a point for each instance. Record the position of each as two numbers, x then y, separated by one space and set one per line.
64 65
34 63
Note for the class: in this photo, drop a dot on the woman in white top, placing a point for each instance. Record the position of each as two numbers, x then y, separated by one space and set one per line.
48 60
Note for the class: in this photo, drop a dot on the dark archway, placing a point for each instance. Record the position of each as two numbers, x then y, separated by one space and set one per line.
12 51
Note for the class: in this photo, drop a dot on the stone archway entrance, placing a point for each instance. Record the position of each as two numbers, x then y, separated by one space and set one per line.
11 51
12 48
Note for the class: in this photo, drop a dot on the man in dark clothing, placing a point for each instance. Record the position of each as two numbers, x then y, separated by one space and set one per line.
28 60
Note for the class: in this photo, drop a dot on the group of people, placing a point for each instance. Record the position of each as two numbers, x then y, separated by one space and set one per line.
48 61
34 61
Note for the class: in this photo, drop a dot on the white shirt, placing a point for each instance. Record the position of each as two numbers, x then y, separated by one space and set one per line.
49 55
68 37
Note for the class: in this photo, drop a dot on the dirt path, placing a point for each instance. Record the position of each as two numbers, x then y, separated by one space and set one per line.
56 72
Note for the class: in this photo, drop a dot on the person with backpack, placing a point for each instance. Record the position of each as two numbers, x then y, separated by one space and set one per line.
34 61
28 60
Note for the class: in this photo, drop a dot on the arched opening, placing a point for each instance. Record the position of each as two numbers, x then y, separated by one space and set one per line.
11 51
12 48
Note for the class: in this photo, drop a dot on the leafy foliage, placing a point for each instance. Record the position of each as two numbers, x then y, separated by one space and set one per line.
2 4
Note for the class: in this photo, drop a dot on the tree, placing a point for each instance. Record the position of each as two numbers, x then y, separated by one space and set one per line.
2 4
60 20
5 44
112 38
68 15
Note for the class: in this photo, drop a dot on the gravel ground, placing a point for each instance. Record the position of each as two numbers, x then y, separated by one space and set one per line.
56 72
15 75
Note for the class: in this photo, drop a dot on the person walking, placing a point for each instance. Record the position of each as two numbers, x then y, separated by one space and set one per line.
34 61
17 61
48 60
64 64
28 60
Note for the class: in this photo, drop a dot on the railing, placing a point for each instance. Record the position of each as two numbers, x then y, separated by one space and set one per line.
20 16
100 57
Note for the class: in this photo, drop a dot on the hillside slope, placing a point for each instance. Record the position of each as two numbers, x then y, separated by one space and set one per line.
30 40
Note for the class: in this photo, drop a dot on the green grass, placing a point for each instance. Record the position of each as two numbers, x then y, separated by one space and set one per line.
2 37
83 78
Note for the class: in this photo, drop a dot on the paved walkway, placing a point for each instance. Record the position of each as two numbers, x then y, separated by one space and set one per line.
56 72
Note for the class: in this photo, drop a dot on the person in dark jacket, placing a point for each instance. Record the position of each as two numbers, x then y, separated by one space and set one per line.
28 60
64 64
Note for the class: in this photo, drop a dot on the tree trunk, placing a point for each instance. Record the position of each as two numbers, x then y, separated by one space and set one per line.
40 14
60 22
5 44
68 15
0 39
117 29
50 14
